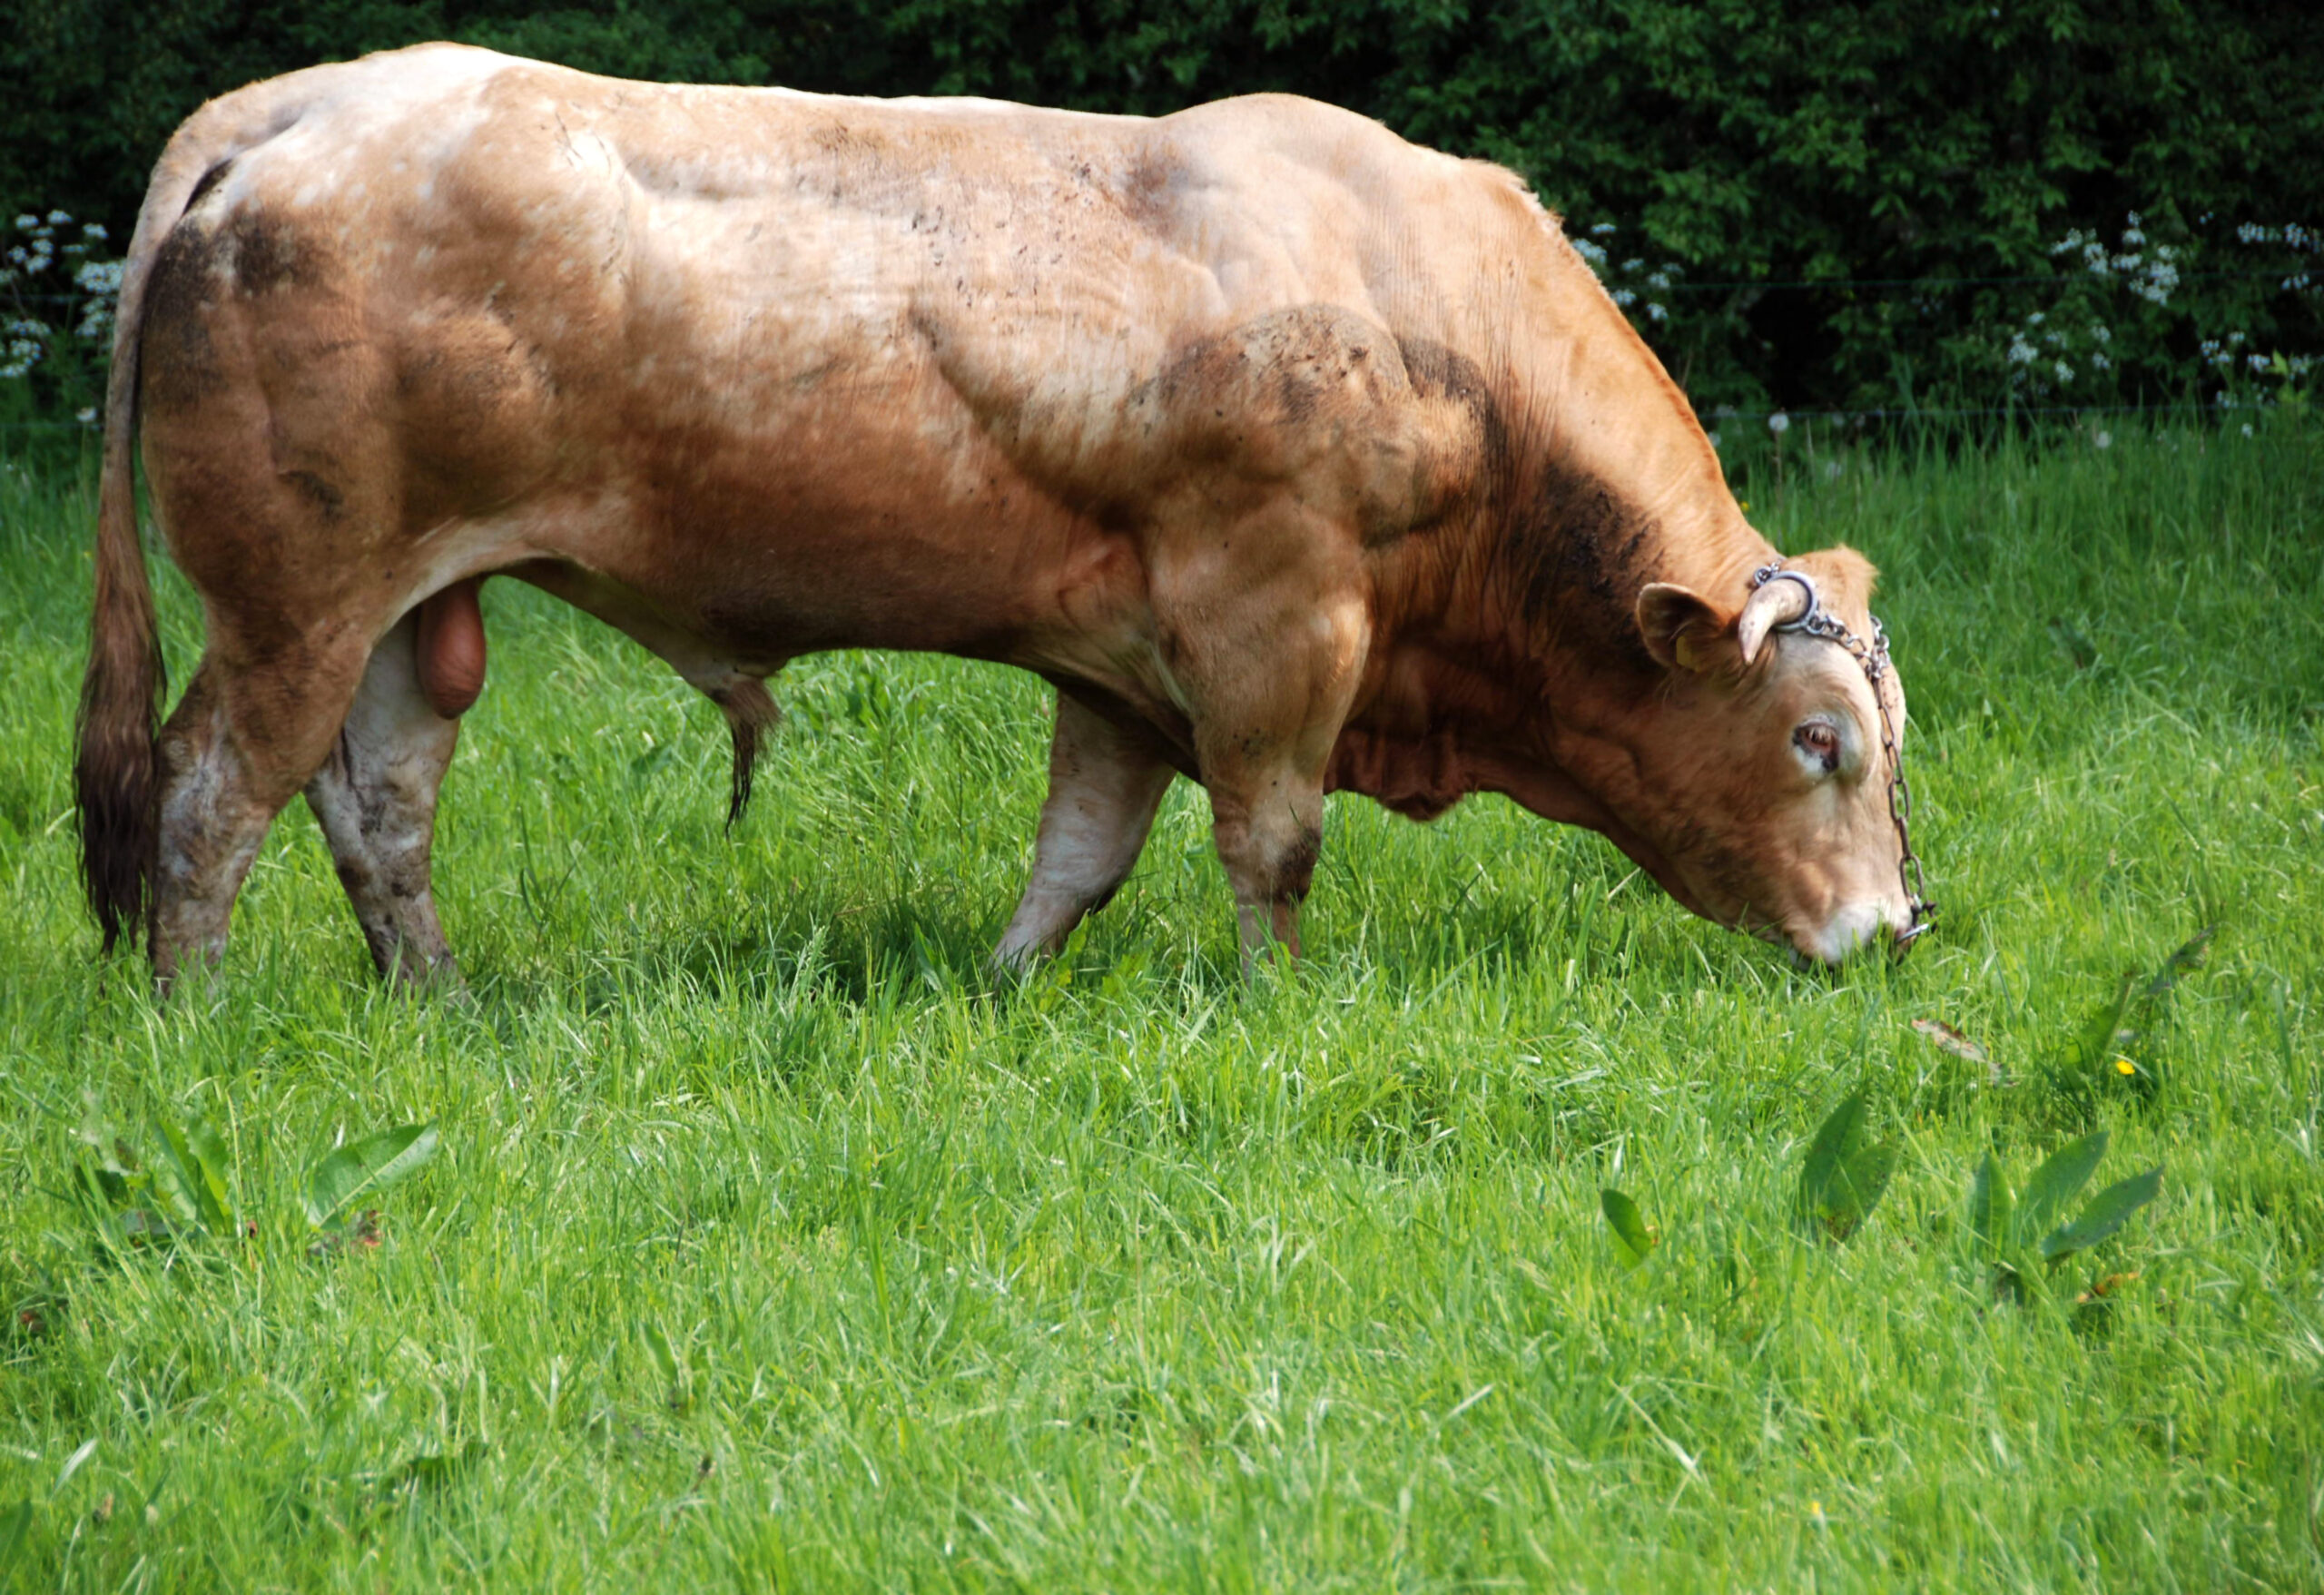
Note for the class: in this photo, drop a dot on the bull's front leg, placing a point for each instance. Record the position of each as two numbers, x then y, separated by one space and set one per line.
1271 704
1270 843
1104 784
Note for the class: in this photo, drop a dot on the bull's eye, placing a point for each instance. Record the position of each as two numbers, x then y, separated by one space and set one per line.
1820 742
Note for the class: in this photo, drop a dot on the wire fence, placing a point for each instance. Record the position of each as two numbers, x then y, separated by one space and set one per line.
2291 280
1714 419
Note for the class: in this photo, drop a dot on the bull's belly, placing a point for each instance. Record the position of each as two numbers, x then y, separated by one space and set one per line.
746 550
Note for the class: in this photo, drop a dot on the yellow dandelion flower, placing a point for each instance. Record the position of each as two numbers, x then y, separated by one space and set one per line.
2124 1066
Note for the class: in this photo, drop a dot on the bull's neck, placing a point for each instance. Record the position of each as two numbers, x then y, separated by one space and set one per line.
1611 485
1522 669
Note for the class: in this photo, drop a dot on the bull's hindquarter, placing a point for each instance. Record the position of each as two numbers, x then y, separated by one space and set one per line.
1138 406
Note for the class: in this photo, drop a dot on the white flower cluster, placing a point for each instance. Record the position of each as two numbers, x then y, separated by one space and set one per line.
1626 285
2218 353
90 286
2042 343
27 342
2051 350
2150 272
101 282
2292 235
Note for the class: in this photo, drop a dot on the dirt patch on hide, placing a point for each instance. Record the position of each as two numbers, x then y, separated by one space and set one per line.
178 363
271 255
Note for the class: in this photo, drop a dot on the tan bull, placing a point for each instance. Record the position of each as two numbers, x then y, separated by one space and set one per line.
1297 458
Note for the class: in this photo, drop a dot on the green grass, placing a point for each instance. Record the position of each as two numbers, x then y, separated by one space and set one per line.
770 1245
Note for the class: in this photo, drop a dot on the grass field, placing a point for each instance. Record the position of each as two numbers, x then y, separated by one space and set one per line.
770 1244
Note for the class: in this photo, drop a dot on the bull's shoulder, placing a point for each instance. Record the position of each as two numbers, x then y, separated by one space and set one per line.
1325 139
1274 114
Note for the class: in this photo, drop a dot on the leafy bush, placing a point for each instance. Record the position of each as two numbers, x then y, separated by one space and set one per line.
1881 205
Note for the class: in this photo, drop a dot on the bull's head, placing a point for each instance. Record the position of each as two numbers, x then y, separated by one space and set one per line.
1759 790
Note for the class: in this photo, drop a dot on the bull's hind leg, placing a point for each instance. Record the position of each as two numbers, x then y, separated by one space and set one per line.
243 740
1104 784
375 797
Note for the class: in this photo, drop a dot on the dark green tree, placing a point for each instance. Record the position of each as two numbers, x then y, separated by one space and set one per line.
1922 163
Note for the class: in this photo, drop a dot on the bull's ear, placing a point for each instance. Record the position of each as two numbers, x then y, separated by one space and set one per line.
1682 630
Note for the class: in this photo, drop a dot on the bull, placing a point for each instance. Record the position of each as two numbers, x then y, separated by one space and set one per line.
1297 458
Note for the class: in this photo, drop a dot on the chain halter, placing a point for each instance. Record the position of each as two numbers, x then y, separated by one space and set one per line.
1819 622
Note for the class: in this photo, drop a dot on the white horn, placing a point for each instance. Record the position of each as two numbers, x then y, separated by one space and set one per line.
1784 598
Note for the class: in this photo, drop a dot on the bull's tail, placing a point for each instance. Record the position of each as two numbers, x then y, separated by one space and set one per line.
115 772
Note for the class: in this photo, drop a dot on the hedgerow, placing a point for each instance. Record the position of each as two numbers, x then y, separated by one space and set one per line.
1881 205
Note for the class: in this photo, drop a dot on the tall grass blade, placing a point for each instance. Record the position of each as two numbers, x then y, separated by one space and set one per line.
72 1466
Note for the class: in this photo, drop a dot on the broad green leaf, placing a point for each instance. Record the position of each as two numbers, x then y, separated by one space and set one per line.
212 1163
2103 1036
365 1167
177 1175
1989 1205
664 1357
435 1467
2107 1212
2057 1183
2185 962
113 1152
1846 1171
1856 1187
105 1188
1835 1139
1632 1239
